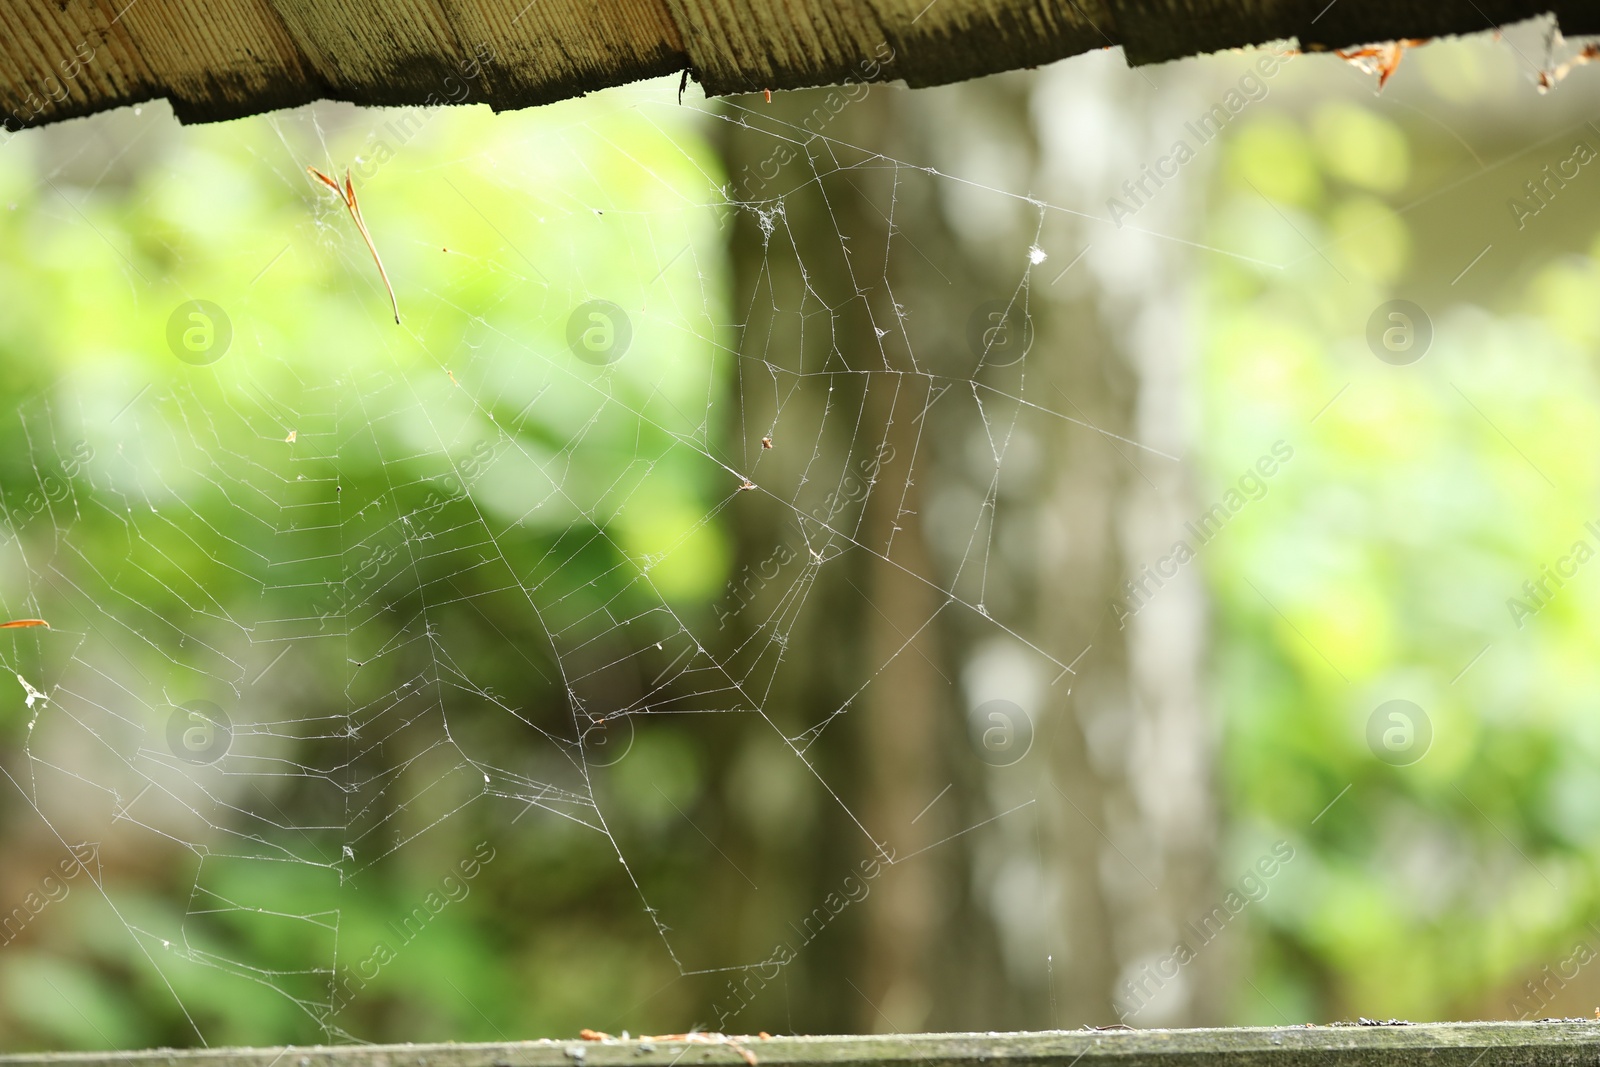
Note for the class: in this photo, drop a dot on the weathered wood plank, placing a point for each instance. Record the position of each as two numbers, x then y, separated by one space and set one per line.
1541 1044
220 59
1158 30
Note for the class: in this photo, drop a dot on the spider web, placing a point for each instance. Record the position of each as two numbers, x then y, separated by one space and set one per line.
488 539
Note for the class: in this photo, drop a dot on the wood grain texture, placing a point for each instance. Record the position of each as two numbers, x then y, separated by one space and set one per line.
221 59
1505 1044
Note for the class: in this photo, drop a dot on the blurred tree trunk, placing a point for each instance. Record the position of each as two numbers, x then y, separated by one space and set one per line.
865 686
857 281
1117 851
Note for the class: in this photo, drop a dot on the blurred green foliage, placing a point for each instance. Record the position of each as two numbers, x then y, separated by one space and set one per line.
1380 565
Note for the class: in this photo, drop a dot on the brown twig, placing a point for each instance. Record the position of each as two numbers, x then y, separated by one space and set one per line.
348 194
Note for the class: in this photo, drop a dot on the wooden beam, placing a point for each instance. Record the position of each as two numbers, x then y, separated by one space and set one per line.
221 59
1570 1043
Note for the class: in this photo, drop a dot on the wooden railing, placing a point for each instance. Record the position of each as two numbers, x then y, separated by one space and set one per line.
1563 1042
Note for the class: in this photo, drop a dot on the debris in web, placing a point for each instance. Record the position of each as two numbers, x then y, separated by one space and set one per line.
1548 78
348 195
1380 59
34 696
17 624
